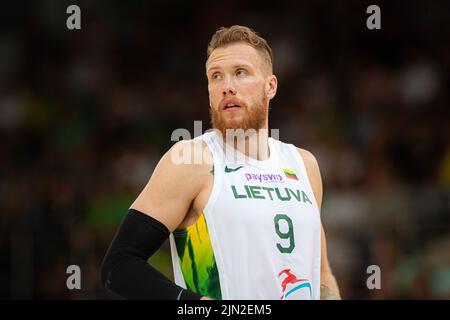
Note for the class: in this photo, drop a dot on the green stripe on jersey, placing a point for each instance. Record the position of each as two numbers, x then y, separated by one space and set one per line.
196 257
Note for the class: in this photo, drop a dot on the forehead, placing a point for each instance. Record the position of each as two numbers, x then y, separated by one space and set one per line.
233 54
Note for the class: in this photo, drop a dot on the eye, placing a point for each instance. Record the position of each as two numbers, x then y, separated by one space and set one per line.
216 76
241 72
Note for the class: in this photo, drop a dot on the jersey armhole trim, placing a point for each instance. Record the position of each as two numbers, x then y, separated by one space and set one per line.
304 171
209 207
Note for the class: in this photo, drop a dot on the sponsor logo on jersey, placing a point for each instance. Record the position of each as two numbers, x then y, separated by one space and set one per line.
291 286
228 170
263 177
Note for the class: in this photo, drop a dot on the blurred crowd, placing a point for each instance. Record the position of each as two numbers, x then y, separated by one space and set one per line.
85 116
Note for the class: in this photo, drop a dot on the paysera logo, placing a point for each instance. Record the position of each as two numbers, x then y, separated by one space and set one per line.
291 284
264 177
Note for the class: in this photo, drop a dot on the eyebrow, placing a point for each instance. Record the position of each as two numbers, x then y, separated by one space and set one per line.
236 66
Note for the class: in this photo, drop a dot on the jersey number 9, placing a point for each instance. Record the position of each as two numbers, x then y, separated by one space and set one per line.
289 234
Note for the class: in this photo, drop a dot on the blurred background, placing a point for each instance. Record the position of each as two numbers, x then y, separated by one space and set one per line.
85 116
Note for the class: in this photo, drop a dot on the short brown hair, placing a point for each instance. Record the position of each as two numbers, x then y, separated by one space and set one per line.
225 36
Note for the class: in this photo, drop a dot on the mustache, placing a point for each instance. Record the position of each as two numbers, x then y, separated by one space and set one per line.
253 118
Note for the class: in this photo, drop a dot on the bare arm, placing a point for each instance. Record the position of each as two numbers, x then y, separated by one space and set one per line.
329 289
173 186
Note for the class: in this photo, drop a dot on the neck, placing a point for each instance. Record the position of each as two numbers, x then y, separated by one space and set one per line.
253 143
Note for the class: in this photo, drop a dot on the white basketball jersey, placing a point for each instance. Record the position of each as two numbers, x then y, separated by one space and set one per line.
259 234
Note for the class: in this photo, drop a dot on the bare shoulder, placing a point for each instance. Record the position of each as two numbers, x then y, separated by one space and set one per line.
313 170
191 155
186 161
176 181
309 159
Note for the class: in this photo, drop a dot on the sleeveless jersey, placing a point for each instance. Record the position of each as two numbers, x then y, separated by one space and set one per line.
258 236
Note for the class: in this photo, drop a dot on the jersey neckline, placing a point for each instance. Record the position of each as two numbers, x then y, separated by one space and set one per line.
240 158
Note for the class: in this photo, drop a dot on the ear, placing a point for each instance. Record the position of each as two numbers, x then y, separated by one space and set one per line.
271 86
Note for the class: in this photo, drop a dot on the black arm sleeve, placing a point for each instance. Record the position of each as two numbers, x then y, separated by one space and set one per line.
125 270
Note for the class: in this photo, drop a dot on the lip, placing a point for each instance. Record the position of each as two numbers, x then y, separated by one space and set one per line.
232 109
228 101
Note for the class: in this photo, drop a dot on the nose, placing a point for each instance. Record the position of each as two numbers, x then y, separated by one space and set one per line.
228 86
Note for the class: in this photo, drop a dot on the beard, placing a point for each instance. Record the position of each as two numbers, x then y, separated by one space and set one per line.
253 118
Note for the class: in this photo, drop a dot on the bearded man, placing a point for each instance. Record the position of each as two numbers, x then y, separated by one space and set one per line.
244 223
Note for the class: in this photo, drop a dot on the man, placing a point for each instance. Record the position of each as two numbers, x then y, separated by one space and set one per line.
246 228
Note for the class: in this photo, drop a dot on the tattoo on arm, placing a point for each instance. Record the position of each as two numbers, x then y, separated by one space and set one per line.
212 171
328 294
